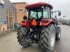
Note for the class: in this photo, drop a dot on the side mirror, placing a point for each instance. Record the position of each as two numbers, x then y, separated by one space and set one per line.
59 13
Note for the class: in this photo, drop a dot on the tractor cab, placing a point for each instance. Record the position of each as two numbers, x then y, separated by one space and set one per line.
39 12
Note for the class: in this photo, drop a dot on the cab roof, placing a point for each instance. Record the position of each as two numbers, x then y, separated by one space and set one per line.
38 5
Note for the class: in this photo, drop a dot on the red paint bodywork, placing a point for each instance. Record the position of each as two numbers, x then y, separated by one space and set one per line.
45 22
38 5
26 24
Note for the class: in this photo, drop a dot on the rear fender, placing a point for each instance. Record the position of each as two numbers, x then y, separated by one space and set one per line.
47 22
26 24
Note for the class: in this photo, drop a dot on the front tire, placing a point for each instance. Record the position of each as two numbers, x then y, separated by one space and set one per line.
47 38
58 33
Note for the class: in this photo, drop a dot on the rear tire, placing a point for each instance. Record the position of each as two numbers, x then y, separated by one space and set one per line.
47 38
22 38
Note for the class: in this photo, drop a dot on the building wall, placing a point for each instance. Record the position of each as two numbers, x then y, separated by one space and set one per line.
7 15
20 11
2 16
10 10
4 27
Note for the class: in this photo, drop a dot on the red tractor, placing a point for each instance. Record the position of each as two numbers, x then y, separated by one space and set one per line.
39 27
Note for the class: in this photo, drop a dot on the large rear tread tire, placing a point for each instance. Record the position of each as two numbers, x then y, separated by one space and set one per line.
45 36
22 39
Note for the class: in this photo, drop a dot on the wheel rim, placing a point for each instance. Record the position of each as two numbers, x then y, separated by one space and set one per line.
59 36
59 33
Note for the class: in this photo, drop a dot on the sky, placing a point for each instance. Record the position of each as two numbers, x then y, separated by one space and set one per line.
62 5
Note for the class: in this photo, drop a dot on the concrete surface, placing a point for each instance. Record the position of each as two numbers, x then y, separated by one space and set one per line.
8 43
6 32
